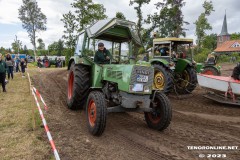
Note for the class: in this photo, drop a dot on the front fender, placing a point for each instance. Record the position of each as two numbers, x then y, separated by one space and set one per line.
79 60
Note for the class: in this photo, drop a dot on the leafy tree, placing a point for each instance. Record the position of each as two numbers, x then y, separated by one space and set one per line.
33 20
170 20
210 42
16 45
120 15
235 36
86 12
202 24
70 32
41 45
138 8
56 48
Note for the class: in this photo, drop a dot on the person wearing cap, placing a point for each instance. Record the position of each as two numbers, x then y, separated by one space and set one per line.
102 56
3 70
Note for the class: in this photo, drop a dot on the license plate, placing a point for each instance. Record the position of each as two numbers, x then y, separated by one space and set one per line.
142 78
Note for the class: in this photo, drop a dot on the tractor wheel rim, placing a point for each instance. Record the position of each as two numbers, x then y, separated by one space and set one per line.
155 116
208 72
70 85
46 64
159 80
92 113
185 81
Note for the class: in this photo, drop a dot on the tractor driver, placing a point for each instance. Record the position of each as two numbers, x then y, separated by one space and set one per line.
164 51
102 56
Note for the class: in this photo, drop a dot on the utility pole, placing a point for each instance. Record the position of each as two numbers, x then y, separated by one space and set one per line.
17 45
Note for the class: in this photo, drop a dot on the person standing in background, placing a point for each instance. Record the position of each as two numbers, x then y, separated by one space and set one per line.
3 70
23 65
10 64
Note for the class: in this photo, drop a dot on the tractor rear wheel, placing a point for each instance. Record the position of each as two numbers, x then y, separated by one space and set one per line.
161 115
46 63
211 71
186 81
162 78
96 113
78 86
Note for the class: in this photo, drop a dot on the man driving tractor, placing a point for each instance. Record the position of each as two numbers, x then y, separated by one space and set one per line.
102 56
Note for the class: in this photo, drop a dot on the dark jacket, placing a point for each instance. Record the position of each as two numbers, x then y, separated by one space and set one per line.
3 66
100 57
236 72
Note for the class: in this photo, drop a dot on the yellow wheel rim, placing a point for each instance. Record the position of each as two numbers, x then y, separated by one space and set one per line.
159 81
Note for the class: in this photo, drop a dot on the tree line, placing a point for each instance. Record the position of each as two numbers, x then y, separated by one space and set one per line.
167 21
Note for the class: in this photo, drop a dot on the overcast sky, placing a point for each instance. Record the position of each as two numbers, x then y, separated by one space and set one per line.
10 25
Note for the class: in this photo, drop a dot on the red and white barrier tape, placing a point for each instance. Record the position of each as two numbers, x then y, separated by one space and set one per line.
46 127
39 95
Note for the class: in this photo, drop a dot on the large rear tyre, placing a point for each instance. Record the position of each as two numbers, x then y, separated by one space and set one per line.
78 86
211 71
46 63
162 78
96 113
161 115
186 81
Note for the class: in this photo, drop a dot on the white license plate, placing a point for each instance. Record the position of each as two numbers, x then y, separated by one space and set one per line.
142 78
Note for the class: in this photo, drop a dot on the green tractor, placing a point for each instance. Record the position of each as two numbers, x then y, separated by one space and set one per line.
120 86
210 66
174 69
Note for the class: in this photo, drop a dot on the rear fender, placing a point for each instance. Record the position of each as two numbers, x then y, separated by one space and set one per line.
181 65
161 61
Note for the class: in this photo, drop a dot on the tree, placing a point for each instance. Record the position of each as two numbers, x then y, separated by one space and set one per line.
56 48
202 24
16 45
120 15
235 36
170 20
139 3
41 45
86 13
210 41
33 20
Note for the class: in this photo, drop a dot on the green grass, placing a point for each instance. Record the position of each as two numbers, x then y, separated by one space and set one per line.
19 139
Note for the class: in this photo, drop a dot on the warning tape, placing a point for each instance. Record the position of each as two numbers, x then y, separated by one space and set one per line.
39 95
46 126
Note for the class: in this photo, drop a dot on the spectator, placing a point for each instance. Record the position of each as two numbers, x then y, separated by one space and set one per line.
3 70
39 62
17 63
23 66
10 64
146 57
236 72
45 60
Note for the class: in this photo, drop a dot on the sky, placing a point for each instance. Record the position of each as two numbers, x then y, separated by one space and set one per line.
11 26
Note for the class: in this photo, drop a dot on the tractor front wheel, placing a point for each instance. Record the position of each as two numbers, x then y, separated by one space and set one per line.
211 71
78 86
162 78
186 81
96 113
161 115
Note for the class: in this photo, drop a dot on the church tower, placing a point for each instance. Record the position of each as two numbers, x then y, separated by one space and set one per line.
223 36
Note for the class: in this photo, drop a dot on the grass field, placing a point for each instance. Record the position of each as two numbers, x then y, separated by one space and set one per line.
20 138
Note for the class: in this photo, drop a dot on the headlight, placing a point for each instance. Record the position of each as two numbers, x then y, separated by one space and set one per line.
137 87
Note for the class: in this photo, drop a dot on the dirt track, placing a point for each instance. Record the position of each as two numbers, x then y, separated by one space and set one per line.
196 122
